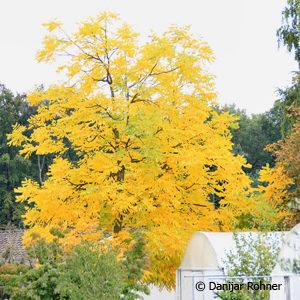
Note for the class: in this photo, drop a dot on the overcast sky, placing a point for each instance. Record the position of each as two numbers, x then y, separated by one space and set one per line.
242 33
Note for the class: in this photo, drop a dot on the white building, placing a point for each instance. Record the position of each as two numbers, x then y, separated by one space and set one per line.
203 261
200 273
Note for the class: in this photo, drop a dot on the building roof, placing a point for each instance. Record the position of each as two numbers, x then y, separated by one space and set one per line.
208 250
11 247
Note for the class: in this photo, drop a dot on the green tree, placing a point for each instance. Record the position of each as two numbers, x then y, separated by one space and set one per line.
289 32
289 100
253 256
289 35
254 134
13 167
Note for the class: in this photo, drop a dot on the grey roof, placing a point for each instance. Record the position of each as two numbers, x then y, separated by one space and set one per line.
11 247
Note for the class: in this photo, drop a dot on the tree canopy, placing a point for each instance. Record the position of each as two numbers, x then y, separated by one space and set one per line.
289 32
253 134
289 35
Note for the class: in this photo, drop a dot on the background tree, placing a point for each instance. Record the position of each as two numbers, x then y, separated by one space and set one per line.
275 188
290 100
289 32
287 151
289 35
287 154
253 134
13 167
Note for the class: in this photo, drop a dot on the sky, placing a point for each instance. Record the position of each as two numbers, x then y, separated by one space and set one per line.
249 67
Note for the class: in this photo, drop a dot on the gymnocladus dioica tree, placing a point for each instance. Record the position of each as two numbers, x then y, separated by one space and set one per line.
150 149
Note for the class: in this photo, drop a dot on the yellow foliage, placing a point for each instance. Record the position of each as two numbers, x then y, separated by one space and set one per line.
276 192
150 151
52 25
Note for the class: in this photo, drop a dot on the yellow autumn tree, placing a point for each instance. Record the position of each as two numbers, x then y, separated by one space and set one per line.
277 194
281 186
149 153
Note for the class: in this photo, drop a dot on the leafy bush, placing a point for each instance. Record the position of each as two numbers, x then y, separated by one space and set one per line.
252 257
11 279
93 271
90 271
41 281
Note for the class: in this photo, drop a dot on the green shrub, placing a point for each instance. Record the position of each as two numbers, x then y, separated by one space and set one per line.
252 257
93 271
90 271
